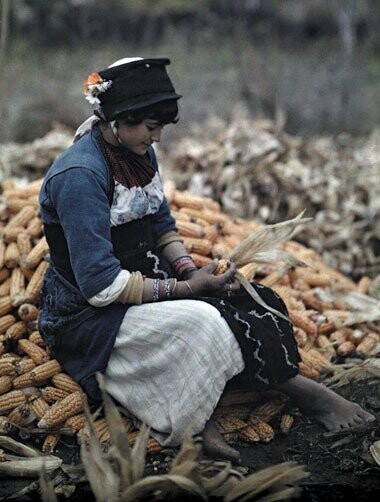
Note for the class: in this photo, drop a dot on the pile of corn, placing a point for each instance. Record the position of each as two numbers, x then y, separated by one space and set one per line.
37 396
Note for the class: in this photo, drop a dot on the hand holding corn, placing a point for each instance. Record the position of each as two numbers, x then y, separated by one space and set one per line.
206 282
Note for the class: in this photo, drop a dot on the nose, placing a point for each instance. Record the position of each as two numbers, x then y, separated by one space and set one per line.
156 134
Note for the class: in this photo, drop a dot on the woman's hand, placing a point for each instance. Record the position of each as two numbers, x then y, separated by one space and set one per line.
203 282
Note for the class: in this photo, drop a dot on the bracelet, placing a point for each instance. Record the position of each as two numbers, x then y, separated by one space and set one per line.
182 260
156 290
188 285
167 289
186 270
174 285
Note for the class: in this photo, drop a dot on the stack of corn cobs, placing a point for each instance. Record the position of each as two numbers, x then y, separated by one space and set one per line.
38 397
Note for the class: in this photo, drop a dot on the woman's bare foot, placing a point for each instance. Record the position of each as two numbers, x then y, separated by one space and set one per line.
215 446
328 408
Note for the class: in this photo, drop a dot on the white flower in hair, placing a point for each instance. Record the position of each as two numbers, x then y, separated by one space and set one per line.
93 86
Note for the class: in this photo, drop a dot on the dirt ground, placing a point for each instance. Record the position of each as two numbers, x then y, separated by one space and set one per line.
341 465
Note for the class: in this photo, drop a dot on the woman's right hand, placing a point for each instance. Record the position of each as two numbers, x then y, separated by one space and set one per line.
203 282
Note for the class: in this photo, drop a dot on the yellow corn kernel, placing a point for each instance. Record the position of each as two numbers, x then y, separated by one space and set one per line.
45 371
229 424
60 411
39 407
194 245
7 366
16 331
189 229
302 321
24 365
222 267
36 338
263 430
52 394
268 410
24 380
200 260
5 384
76 422
249 434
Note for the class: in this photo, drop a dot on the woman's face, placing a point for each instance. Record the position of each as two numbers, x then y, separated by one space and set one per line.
138 138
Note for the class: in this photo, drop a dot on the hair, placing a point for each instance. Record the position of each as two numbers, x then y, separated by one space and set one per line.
165 112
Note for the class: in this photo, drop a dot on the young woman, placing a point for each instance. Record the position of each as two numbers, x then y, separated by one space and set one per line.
123 297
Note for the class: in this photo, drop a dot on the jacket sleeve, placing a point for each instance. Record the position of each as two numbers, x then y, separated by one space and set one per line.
80 200
162 221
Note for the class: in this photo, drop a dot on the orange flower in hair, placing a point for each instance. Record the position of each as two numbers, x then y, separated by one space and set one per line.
93 86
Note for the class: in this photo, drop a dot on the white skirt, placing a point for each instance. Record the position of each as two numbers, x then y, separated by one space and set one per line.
170 364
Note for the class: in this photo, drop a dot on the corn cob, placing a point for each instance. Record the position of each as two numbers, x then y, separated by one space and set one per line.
211 217
311 301
326 347
39 407
307 370
16 204
211 233
263 430
24 245
22 218
301 337
27 312
325 327
45 371
153 446
189 229
317 360
5 287
337 316
16 331
20 415
302 321
32 326
50 443
231 437
128 424
267 411
36 338
34 287
222 267
24 365
65 382
37 253
286 423
200 246
11 400
11 257
23 380
4 273
5 384
227 424
345 349
232 240
5 307
236 411
231 228
38 355
188 200
52 394
367 345
32 188
57 414
7 366
2 347
10 234
249 270
357 336
17 287
339 336
200 260
76 422
364 285
249 434
35 227
6 322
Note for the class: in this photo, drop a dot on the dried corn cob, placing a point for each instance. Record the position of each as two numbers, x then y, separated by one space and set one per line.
5 384
25 365
37 253
301 337
286 423
22 218
65 382
267 411
16 331
345 349
7 366
11 256
34 287
21 415
307 370
367 345
36 338
76 422
35 227
189 229
52 394
6 321
46 371
220 250
339 336
221 267
10 234
200 260
27 312
231 437
211 233
5 287
17 287
11 400
23 380
24 245
301 320
2 253
263 429
38 355
50 443
4 273
229 424
5 426
211 217
236 411
249 434
200 246
326 347
39 407
152 446
57 414
187 199
315 359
